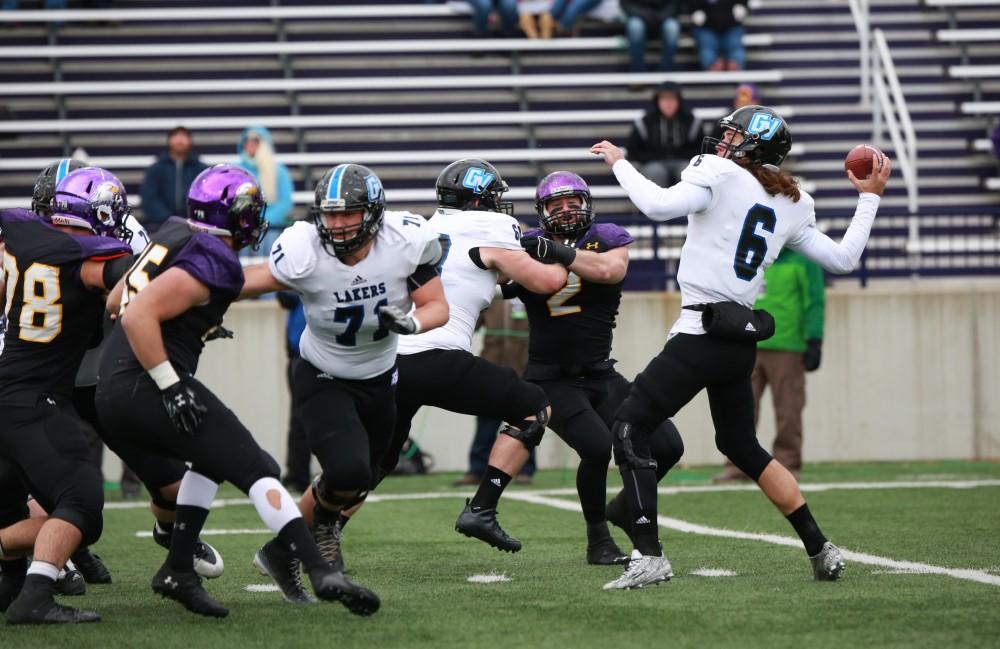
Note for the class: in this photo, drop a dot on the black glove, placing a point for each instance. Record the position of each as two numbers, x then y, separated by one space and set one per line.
183 407
812 355
393 319
548 251
219 332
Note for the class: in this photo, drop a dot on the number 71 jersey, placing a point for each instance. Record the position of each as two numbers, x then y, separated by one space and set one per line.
731 242
343 336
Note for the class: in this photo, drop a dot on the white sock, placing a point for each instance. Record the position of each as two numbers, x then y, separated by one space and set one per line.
274 505
196 491
44 569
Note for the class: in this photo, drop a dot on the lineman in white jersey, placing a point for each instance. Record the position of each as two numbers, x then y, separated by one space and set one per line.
481 243
741 211
359 270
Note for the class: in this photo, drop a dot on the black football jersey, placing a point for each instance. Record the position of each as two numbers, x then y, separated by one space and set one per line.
51 315
573 326
203 256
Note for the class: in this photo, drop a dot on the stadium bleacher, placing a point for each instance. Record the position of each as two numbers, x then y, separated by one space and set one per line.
334 86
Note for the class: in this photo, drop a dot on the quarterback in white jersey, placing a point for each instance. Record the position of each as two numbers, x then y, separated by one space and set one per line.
481 244
741 211
359 270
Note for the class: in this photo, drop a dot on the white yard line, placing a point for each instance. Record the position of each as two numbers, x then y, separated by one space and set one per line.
978 576
668 491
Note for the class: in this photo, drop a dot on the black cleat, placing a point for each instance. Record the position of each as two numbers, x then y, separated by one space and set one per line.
285 570
91 567
331 585
601 548
35 606
70 582
10 588
327 536
483 525
186 588
207 562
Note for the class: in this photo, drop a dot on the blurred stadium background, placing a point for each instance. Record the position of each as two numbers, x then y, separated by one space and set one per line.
912 351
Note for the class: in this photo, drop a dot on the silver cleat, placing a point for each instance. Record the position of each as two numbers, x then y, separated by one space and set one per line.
828 564
642 571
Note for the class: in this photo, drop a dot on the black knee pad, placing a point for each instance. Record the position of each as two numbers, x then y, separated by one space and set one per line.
160 501
666 445
631 447
747 455
322 491
81 504
528 431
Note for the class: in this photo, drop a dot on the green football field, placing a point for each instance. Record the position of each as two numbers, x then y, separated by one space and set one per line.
924 571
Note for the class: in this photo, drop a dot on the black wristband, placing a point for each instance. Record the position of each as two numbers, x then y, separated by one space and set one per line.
563 254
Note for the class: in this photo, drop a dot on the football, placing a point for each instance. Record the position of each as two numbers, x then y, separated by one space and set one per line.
860 160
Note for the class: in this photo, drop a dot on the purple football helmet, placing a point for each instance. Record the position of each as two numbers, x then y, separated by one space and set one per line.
226 200
92 198
569 223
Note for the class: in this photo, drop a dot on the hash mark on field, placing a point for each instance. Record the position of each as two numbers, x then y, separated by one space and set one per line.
967 574
488 579
145 534
713 572
261 588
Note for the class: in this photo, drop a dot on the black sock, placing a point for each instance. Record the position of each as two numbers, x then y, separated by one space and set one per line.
597 532
187 527
807 529
490 489
38 586
294 537
324 516
343 520
640 485
14 569
166 528
591 486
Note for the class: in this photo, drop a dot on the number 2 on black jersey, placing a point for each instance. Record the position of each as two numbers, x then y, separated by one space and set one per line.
40 319
752 248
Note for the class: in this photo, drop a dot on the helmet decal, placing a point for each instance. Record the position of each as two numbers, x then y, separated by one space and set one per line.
374 186
477 179
764 124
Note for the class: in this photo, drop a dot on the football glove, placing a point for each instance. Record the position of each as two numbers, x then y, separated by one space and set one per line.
182 404
814 352
393 319
548 251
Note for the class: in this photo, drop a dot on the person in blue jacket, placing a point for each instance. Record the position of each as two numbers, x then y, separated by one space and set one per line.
256 151
165 184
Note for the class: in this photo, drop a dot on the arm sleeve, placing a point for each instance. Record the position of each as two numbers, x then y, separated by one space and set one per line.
427 267
815 311
840 257
658 203
210 261
114 269
292 257
153 206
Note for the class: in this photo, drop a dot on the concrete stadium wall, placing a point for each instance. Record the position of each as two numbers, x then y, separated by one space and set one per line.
910 371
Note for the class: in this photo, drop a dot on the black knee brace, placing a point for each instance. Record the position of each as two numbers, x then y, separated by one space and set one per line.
631 449
160 501
324 494
528 431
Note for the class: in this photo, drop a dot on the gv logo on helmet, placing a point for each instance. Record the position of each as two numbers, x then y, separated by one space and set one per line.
477 179
764 125
374 186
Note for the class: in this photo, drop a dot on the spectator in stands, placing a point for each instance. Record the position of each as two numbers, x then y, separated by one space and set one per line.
298 455
505 343
794 294
746 94
643 17
565 14
528 14
481 10
166 183
256 149
665 138
718 33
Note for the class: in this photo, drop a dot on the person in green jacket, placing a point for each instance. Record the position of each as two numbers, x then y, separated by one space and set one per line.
794 294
